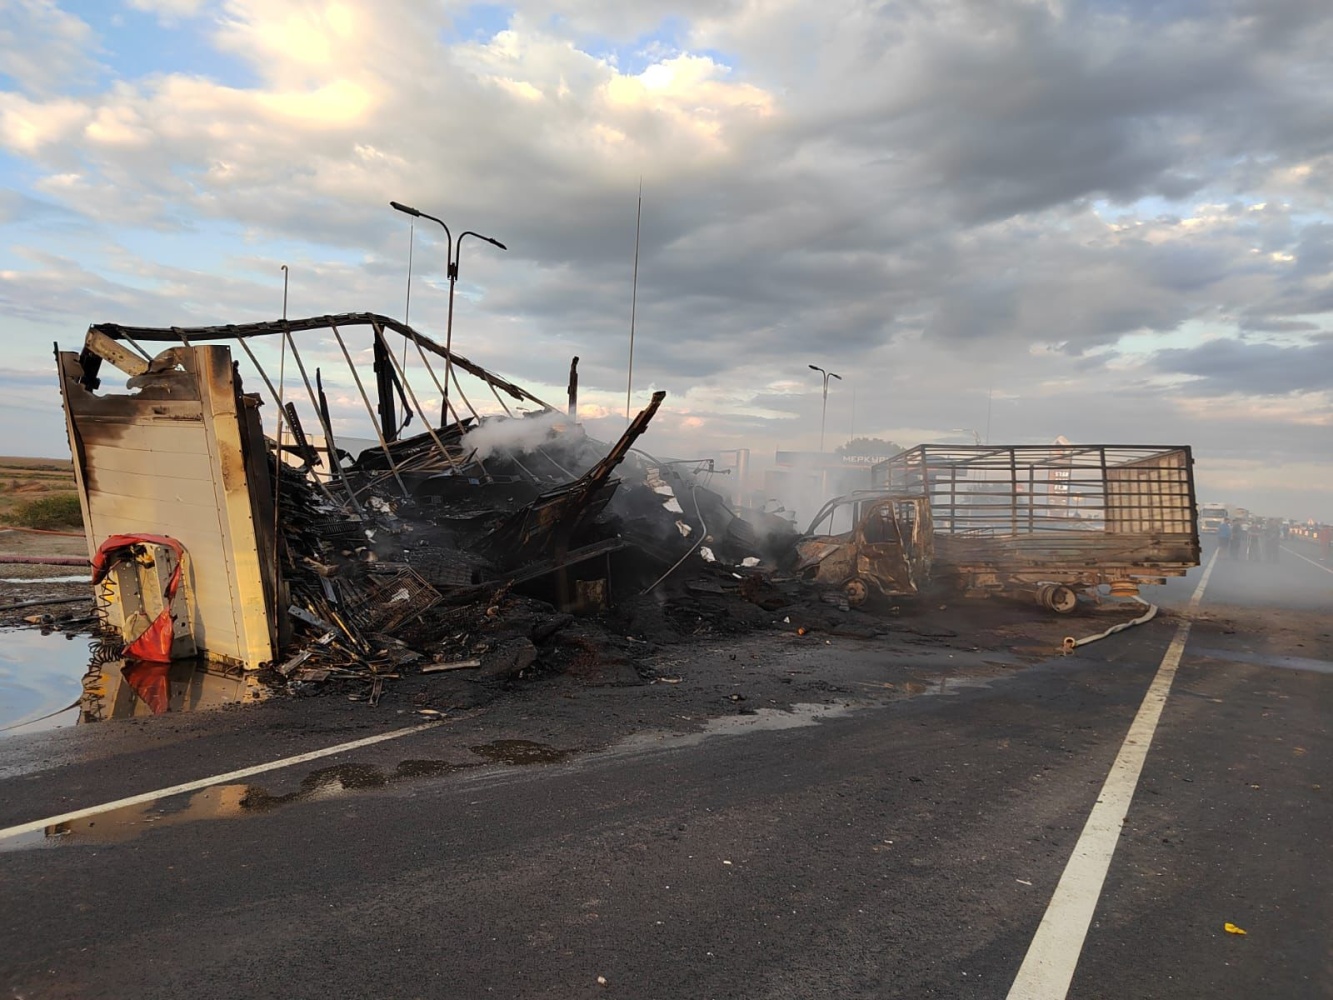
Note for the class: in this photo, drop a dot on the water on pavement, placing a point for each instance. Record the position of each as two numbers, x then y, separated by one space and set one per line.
51 680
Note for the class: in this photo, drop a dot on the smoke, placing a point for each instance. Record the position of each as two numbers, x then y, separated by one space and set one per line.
519 434
798 487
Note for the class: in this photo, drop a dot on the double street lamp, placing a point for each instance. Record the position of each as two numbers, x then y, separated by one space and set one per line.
824 413
454 248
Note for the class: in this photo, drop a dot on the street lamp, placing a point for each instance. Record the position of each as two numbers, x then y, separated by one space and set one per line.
967 430
454 248
824 413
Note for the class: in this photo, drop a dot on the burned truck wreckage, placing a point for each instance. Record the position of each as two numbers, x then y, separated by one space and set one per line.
287 551
1051 521
511 542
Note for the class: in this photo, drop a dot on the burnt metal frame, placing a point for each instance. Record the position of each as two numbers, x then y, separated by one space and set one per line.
1077 514
1026 489
389 376
91 363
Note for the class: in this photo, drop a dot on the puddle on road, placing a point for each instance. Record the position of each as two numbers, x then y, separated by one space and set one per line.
330 782
519 752
918 688
236 801
120 689
48 682
761 720
39 679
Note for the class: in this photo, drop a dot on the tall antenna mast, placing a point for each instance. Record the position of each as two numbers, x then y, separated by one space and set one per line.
282 362
407 309
634 299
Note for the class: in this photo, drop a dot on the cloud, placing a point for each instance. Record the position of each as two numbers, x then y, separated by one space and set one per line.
1114 214
1254 368
43 48
169 11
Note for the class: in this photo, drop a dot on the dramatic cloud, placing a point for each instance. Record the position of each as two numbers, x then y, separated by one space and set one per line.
1237 366
1108 218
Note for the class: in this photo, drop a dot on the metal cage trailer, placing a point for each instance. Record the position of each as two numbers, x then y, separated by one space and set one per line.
1049 521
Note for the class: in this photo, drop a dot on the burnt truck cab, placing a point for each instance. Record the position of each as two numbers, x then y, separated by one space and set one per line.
886 548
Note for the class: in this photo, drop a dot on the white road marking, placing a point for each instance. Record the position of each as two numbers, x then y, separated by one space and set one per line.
1310 561
1048 967
217 779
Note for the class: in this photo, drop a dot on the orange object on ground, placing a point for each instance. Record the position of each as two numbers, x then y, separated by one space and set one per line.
155 643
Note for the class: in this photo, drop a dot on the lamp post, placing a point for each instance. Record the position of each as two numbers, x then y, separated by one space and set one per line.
824 412
454 248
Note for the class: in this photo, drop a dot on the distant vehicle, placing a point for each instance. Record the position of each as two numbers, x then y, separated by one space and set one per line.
1211 516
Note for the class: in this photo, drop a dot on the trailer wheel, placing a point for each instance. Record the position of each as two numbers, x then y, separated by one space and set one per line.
1057 597
856 592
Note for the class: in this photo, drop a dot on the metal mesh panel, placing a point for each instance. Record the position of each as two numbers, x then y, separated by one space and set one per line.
389 600
1029 489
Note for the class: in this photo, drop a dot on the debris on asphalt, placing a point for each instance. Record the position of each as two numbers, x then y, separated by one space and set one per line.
435 668
511 546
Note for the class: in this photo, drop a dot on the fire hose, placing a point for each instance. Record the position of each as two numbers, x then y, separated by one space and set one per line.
1070 643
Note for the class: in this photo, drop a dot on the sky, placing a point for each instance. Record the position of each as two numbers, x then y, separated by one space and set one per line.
1008 219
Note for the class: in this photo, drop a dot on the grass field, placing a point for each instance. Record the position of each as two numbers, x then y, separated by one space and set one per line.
25 480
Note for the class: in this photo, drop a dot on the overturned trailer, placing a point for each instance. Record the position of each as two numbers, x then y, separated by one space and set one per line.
277 545
1050 521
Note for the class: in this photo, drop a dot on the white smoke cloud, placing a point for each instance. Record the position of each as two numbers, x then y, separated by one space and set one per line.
521 434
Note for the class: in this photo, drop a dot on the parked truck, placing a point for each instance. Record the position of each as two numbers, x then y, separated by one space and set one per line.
1051 521
1211 516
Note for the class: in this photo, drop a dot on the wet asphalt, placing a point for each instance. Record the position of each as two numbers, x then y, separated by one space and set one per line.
889 822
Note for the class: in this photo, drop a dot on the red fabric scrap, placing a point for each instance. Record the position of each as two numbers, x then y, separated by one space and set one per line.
155 643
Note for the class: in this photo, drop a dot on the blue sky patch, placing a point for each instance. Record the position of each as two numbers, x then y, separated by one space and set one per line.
478 23
134 44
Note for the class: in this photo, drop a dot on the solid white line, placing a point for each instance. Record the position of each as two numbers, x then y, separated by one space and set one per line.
1048 968
217 779
1310 561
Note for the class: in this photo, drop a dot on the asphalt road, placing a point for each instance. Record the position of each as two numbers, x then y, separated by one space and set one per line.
903 838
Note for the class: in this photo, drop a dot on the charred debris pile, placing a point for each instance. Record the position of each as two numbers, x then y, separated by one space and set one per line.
540 550
507 545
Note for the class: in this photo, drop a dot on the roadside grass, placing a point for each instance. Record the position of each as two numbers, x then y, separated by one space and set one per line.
50 513
38 493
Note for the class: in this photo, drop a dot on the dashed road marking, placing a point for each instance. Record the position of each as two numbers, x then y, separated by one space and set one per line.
1048 967
217 779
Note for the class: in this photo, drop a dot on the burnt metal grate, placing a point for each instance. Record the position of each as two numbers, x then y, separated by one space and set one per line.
338 530
389 600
